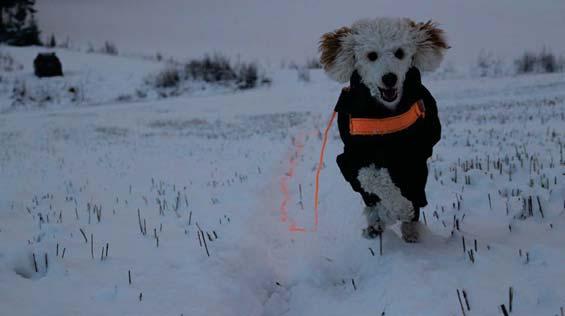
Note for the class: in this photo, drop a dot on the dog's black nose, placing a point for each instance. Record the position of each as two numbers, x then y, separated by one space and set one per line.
390 80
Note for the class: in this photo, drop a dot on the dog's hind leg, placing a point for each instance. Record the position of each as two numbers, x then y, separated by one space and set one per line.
410 230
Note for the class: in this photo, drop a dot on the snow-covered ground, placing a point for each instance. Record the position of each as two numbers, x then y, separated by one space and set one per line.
177 206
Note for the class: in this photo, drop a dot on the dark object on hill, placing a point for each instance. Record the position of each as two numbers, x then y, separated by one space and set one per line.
47 65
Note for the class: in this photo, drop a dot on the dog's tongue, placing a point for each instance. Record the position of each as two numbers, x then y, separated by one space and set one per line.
389 94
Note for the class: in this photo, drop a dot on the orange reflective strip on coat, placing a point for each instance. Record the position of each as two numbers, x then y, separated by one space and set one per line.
382 126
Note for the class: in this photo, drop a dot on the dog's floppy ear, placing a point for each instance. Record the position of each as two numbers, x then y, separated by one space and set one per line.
338 57
431 45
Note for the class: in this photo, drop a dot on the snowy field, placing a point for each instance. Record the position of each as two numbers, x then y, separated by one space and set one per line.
189 205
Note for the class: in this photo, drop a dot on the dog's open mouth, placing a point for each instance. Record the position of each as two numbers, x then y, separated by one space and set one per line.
388 95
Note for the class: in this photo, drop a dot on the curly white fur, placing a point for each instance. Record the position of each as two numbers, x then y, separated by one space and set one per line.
393 205
347 49
385 37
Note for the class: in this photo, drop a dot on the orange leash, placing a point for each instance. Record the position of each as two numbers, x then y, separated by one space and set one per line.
319 169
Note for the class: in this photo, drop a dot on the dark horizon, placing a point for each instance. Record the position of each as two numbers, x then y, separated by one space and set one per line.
289 30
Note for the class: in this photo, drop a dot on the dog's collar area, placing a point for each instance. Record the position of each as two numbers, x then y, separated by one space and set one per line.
387 125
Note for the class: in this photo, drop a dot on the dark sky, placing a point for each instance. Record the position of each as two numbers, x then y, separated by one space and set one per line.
275 30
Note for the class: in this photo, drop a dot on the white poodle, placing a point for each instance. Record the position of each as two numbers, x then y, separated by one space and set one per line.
387 119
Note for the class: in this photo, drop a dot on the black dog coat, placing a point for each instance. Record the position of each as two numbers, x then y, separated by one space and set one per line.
404 153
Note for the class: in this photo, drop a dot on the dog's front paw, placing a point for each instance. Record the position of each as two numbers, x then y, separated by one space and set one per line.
372 232
375 224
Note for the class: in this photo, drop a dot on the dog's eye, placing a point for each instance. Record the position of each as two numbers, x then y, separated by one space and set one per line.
399 53
372 56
